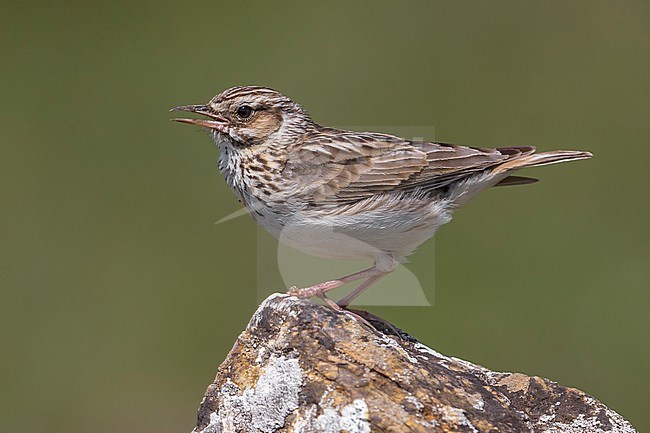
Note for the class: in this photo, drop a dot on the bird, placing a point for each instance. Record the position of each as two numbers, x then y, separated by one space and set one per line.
348 195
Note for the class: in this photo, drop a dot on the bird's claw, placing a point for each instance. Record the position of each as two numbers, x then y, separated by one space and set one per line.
293 291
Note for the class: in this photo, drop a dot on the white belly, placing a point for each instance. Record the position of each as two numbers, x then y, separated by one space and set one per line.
366 230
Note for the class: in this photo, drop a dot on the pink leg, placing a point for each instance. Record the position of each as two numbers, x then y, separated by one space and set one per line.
343 303
322 288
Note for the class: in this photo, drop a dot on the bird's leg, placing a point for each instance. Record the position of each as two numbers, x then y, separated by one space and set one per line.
343 303
322 288
333 305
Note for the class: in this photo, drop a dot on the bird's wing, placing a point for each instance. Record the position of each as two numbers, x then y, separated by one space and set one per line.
344 167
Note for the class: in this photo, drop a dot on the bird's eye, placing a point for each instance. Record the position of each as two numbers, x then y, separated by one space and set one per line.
244 112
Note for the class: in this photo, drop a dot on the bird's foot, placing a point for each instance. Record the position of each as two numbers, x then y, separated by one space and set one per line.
309 292
315 290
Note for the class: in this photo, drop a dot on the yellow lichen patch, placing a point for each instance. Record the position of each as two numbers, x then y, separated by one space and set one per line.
330 371
515 382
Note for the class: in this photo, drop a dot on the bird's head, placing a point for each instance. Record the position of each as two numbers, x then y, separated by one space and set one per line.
249 116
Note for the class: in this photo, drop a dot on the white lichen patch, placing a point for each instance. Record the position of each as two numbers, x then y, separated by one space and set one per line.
477 402
445 360
476 369
285 307
387 341
354 417
457 417
413 402
276 393
264 407
547 418
584 424
351 418
426 349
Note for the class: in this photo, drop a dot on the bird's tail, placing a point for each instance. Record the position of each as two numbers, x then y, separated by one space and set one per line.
499 175
530 159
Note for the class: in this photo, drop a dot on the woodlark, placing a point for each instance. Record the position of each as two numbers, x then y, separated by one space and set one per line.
344 194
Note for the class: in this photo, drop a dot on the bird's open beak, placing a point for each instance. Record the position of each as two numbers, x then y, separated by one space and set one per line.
216 122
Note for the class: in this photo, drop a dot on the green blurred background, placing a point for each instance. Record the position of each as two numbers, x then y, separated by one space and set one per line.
119 296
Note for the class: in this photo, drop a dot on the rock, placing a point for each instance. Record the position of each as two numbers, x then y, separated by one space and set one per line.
301 367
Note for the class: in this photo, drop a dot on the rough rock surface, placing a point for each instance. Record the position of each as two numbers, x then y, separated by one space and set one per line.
301 367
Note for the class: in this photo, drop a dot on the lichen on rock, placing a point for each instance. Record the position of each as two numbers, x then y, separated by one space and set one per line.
300 367
262 407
